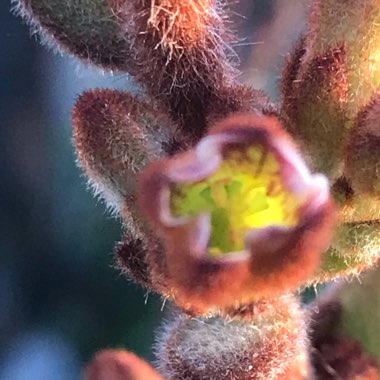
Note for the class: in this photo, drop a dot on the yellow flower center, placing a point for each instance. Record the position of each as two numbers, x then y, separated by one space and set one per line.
245 192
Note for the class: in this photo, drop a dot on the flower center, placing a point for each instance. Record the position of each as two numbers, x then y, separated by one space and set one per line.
246 192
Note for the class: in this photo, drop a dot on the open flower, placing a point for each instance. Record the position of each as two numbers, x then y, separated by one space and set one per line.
240 215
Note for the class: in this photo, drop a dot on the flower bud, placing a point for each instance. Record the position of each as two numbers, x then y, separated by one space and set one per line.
119 365
116 135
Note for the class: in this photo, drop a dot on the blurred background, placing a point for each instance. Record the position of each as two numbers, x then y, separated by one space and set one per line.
61 300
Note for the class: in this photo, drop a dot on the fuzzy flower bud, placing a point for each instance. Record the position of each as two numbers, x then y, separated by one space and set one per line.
119 365
116 135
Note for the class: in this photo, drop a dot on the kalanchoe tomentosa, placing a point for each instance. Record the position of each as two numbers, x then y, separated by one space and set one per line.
233 218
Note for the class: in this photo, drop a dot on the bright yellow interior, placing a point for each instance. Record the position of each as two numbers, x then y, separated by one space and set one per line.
245 192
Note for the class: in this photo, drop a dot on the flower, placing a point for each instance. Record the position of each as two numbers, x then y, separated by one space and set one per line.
240 215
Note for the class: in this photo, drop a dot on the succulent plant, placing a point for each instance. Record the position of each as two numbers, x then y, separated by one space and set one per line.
224 210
